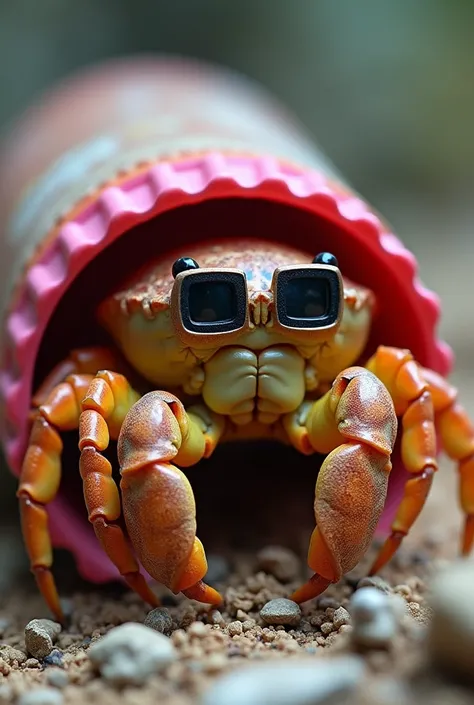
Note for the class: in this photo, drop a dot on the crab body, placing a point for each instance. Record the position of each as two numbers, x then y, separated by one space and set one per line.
167 216
243 340
255 374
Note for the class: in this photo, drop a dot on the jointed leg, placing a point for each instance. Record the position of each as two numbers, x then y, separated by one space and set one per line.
355 423
157 498
41 475
81 361
414 403
104 407
457 438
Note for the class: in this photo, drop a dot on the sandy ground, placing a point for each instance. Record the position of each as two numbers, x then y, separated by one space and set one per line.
210 643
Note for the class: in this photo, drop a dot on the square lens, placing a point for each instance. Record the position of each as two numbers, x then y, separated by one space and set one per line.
307 298
212 302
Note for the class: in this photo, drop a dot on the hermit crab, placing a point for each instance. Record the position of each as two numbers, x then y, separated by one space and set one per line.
242 340
177 277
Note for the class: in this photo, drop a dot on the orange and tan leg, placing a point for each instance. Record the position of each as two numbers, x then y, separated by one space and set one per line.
41 475
158 503
81 361
107 401
355 423
457 438
413 400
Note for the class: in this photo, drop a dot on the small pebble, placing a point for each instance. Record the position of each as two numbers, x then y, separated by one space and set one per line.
241 615
341 617
235 628
327 628
40 634
215 617
280 562
41 696
160 620
292 682
451 632
55 658
11 655
281 611
198 630
57 677
32 663
373 618
131 653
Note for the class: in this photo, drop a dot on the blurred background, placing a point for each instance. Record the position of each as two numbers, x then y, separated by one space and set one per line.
386 87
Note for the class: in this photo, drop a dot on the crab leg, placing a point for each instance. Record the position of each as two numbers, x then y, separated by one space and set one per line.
41 475
424 399
355 423
457 437
158 503
413 402
104 406
81 361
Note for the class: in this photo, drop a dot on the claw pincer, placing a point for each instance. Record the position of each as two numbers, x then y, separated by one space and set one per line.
158 501
356 423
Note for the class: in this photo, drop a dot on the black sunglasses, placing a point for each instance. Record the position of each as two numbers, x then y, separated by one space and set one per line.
215 300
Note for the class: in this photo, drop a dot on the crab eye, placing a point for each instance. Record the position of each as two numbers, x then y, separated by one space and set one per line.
326 258
308 297
183 264
213 301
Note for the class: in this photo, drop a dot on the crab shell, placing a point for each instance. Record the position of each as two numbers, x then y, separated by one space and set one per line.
214 178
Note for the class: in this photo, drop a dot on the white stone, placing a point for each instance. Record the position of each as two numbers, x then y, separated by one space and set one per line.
292 682
131 653
451 631
41 696
374 618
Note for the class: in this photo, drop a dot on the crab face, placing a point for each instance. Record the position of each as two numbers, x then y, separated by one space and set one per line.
233 315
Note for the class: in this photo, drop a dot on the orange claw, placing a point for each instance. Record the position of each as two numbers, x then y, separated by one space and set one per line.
356 421
158 502
203 593
314 587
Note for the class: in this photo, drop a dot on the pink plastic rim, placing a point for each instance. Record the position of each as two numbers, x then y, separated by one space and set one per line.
162 187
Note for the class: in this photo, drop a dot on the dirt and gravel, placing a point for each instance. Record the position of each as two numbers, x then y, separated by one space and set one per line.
364 640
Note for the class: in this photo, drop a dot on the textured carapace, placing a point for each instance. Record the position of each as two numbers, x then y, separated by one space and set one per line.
140 319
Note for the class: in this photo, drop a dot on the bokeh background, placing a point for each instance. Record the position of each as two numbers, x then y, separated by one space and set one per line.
385 86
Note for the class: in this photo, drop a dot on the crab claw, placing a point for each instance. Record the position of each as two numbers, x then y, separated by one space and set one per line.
158 501
357 418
